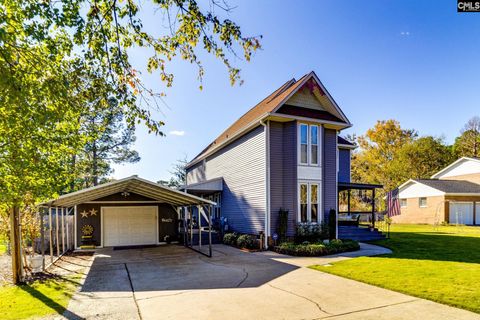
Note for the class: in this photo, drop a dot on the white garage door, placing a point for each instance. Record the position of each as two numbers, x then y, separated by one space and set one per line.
461 212
124 226
477 214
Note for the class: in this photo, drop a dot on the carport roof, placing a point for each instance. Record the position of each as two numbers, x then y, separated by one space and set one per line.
130 184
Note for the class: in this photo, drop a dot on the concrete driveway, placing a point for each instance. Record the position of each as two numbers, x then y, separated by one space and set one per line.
172 282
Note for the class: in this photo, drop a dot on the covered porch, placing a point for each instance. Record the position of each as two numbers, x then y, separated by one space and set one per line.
356 203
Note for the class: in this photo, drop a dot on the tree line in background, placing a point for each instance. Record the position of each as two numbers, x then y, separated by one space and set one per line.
388 154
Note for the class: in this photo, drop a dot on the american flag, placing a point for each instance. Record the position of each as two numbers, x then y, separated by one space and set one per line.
393 203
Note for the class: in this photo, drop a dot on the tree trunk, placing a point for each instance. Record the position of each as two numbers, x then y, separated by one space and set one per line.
15 244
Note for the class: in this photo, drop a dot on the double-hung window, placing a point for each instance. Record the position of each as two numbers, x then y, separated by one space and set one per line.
309 144
309 203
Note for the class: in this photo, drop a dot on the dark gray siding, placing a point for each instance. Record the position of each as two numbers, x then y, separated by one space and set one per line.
283 173
242 164
343 165
290 174
329 171
276 173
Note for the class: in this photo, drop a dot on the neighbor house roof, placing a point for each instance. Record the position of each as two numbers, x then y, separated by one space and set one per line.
451 186
133 184
271 104
454 164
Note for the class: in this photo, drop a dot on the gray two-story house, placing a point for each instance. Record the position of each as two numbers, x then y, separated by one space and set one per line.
284 153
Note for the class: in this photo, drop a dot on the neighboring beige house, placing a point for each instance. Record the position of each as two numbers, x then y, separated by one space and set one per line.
451 195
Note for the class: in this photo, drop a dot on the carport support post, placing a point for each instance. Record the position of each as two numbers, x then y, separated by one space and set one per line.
63 229
191 225
210 230
42 237
56 231
199 213
50 232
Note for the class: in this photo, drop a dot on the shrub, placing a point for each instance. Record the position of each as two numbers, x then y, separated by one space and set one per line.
247 241
310 232
230 239
317 249
332 224
282 224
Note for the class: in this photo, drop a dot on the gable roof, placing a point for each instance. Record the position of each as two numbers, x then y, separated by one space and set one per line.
130 184
267 106
451 186
454 164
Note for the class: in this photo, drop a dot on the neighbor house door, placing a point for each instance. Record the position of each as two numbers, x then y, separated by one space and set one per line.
125 226
461 213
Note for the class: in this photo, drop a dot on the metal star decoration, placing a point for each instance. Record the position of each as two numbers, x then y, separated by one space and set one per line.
93 212
84 214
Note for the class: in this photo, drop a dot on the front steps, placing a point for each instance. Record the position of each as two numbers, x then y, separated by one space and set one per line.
359 233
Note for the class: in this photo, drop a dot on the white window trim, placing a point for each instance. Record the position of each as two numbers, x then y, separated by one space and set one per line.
309 144
406 202
309 201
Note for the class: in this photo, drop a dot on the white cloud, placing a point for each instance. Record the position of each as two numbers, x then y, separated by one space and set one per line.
177 133
405 33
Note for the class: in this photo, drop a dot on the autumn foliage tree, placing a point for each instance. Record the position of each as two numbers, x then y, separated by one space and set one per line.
49 51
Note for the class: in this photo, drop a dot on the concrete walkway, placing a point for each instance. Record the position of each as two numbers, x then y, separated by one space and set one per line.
172 282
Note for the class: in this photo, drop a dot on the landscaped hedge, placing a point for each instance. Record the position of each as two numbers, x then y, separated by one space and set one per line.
317 249
241 241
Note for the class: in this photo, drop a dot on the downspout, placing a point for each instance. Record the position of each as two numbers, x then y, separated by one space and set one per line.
267 182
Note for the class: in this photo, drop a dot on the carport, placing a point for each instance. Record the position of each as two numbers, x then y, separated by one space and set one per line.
134 212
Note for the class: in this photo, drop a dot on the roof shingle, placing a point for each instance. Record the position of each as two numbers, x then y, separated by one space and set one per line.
451 186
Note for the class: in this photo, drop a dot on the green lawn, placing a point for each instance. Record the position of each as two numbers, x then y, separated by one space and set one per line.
441 264
39 299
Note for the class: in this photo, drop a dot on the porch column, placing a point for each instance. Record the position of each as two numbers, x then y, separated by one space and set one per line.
373 208
348 201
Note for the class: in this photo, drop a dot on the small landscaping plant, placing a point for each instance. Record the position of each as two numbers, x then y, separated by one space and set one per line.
247 241
230 239
311 232
307 249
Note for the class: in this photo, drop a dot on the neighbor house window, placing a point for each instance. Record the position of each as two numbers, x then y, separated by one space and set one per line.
303 202
309 204
422 202
309 144
304 144
403 203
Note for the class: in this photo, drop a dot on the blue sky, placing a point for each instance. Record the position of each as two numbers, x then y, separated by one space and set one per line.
414 61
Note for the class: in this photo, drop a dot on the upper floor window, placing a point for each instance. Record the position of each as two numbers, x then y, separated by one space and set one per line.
304 143
308 144
403 203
